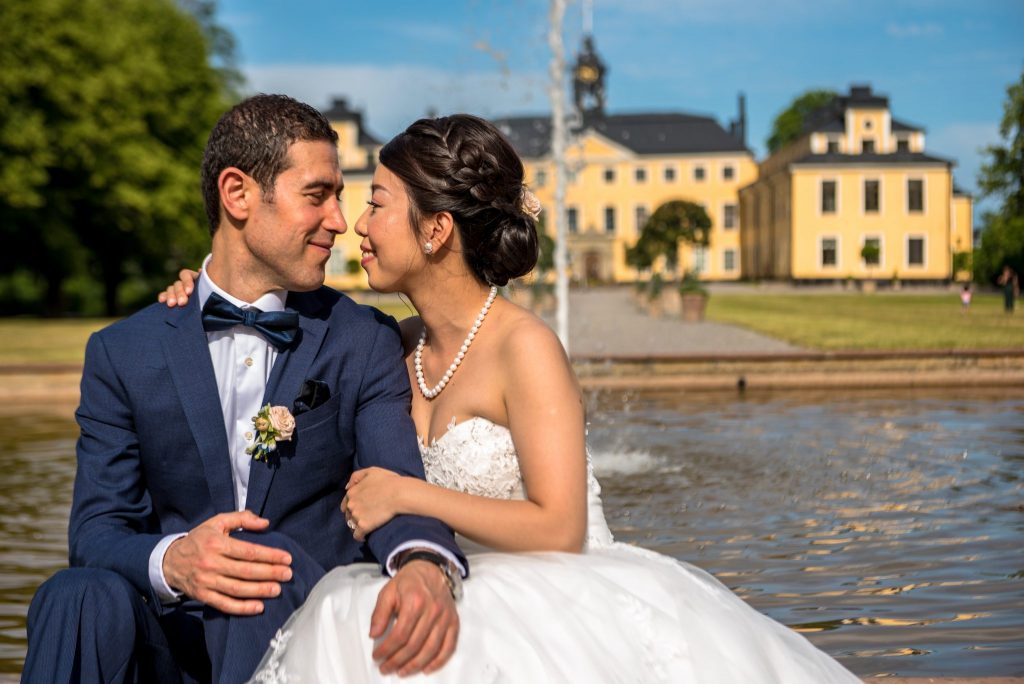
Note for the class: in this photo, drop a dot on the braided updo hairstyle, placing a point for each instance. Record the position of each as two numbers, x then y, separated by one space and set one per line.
462 164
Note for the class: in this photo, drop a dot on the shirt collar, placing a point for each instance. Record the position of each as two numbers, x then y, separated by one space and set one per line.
271 301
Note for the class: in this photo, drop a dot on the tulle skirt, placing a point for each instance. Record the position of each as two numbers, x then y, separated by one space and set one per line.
614 614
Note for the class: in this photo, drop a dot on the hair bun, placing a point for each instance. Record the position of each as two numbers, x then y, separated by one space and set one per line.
463 165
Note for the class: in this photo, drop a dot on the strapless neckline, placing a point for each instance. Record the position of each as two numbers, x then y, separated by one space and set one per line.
454 426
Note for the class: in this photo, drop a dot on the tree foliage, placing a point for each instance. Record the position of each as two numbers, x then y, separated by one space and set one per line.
789 124
1002 177
105 106
672 223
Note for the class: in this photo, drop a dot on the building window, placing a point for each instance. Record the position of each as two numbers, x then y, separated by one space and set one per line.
729 216
540 178
915 195
670 174
915 251
871 196
641 217
698 173
902 145
867 146
876 258
640 174
337 266
609 175
829 252
573 217
700 259
828 197
729 260
609 219
833 146
728 172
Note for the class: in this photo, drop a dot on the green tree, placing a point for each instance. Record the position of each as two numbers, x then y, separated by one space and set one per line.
673 222
105 106
1002 177
789 124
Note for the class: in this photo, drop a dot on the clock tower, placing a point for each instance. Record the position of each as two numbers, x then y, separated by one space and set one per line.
588 80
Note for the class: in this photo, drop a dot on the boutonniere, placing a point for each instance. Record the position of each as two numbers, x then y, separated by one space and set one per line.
273 424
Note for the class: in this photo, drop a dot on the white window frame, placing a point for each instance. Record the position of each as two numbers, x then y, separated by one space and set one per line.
726 253
821 195
924 251
821 249
881 251
700 259
864 196
636 210
906 194
615 220
579 220
735 216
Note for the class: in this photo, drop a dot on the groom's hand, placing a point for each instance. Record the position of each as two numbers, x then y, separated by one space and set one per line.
228 574
426 624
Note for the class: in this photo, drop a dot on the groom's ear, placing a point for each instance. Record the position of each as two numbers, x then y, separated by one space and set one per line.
236 192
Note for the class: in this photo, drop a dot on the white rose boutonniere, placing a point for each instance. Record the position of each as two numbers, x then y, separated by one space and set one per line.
273 424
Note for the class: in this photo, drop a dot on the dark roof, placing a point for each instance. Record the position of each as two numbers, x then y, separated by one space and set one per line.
831 117
340 111
902 126
666 133
836 158
960 192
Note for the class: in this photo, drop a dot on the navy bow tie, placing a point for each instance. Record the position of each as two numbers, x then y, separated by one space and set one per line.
278 327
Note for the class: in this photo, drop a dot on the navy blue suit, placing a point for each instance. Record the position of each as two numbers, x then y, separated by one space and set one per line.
153 460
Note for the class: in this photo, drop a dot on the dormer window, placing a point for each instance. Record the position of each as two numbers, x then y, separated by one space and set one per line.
833 146
867 147
902 145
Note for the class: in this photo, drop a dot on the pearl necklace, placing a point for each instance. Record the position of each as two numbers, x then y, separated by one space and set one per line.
418 357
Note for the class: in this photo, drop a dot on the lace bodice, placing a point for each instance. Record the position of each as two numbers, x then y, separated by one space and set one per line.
478 457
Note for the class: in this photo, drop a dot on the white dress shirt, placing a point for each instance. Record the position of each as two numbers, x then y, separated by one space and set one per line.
242 362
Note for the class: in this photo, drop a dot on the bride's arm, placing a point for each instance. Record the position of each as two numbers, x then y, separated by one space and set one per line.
545 415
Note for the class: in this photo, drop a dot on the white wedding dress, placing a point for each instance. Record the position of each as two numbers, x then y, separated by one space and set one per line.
615 613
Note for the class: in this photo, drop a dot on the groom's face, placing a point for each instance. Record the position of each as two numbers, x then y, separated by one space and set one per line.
290 235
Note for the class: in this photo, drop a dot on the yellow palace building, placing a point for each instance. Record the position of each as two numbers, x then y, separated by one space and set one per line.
855 177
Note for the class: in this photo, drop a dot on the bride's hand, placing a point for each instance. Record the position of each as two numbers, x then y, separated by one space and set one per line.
177 292
371 500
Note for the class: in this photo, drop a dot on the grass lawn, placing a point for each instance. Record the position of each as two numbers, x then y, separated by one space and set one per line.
33 340
878 321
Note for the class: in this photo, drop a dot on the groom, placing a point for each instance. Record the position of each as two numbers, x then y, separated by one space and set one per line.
186 554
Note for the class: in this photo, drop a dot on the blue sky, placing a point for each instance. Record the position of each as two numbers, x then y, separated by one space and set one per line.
945 64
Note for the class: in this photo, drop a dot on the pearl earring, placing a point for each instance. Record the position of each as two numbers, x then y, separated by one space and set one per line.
428 247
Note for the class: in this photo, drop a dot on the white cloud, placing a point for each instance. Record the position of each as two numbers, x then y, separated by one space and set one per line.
913 30
392 97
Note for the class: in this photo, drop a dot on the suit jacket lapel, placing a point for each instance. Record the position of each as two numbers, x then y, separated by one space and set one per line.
290 371
191 369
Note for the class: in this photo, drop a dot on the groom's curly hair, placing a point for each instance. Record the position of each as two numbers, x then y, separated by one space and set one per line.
254 136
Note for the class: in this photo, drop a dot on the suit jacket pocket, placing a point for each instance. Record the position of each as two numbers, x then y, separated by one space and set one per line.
321 414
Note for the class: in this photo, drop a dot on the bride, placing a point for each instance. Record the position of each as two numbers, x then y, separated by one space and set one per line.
552 597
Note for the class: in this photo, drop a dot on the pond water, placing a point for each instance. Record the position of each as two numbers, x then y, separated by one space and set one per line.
887 527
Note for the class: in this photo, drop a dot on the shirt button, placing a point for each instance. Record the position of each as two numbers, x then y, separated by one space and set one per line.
248 435
248 361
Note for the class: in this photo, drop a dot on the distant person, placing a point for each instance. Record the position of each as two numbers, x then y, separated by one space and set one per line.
1011 287
965 298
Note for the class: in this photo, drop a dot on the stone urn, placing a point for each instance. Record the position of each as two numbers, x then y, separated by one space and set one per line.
693 305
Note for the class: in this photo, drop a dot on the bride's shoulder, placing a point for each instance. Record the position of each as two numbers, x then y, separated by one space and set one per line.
528 339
